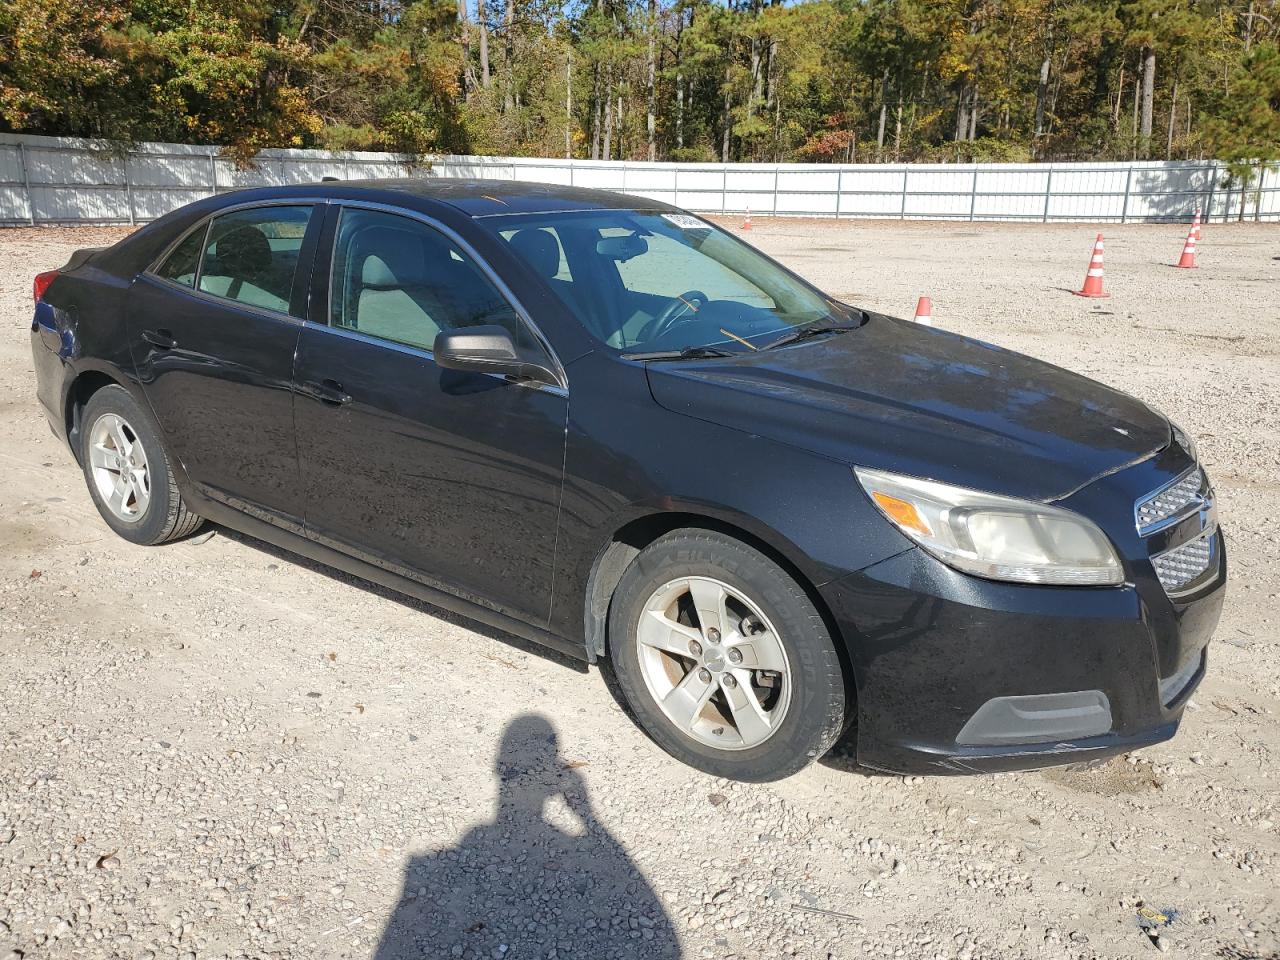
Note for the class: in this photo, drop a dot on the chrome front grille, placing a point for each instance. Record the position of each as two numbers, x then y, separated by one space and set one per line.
1182 566
1184 496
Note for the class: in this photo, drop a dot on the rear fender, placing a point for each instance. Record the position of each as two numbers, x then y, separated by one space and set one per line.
55 330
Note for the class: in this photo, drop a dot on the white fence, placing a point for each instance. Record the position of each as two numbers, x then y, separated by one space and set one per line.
59 180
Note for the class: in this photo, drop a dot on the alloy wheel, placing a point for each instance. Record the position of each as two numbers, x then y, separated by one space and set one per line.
118 465
713 663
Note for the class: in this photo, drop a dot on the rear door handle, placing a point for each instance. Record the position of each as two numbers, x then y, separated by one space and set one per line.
326 391
162 339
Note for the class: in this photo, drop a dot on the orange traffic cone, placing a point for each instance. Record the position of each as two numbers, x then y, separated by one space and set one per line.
1195 224
746 224
924 311
1188 259
1093 277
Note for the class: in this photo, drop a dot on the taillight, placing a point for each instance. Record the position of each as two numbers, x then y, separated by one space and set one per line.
41 284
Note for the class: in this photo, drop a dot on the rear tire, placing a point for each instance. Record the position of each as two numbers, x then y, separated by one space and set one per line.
724 659
128 471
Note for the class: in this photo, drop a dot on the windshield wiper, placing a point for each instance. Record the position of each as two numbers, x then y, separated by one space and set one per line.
688 353
812 330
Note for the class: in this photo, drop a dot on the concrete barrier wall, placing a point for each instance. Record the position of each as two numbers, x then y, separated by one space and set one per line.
65 180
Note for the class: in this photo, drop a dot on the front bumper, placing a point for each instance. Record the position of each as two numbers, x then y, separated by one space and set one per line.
955 674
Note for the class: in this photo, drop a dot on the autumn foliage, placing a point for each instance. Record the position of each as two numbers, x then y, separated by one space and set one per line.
815 80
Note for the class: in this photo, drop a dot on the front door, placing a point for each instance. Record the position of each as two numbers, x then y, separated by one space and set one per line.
452 478
213 331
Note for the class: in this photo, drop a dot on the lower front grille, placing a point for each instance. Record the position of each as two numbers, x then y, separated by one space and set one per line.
1181 568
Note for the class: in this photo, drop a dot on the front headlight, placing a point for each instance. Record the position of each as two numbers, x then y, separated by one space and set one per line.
1001 538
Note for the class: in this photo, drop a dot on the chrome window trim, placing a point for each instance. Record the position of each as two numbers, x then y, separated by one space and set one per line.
425 354
224 302
1203 500
561 388
160 261
232 208
207 224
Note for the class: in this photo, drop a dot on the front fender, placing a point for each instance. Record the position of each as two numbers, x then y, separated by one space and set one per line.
630 458
713 513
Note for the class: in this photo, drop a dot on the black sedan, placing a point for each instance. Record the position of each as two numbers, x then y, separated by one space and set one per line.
605 425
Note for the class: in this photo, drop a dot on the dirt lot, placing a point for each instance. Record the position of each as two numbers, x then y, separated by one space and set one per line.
214 750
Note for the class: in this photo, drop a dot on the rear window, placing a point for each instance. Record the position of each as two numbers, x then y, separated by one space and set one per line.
180 266
251 256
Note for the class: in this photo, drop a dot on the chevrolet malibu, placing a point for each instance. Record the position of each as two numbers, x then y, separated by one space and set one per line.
605 425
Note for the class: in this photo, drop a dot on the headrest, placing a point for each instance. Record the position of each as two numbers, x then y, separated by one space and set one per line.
539 249
376 273
243 252
398 262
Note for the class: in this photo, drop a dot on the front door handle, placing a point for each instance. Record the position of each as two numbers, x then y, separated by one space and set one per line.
326 391
161 339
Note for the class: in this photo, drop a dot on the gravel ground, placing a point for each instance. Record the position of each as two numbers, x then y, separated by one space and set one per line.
213 749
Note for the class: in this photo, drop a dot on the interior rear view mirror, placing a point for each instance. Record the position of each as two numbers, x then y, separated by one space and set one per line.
621 249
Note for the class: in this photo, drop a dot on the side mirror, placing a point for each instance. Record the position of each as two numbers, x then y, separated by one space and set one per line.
488 349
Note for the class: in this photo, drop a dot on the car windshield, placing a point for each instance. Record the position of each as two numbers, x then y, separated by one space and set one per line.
667 283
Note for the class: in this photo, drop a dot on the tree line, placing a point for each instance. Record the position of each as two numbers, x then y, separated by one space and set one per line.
685 80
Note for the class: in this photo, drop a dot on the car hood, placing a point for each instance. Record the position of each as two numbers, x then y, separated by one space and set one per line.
910 399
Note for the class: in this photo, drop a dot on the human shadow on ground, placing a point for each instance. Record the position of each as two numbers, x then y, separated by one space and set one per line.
523 886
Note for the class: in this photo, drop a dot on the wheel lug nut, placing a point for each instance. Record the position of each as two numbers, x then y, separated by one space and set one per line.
704 675
730 680
713 635
735 655
695 648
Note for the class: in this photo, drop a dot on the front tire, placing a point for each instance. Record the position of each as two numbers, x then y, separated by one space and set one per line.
128 471
724 659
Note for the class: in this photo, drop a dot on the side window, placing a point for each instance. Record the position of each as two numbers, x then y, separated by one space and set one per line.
252 255
398 279
180 267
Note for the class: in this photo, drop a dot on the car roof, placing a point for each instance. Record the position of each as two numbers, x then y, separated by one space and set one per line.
478 198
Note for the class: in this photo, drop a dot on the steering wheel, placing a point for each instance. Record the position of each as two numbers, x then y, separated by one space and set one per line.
680 310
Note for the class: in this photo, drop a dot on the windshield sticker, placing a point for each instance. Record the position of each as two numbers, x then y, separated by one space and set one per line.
685 222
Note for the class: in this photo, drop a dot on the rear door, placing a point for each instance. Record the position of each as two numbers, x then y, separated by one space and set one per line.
214 329
449 477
